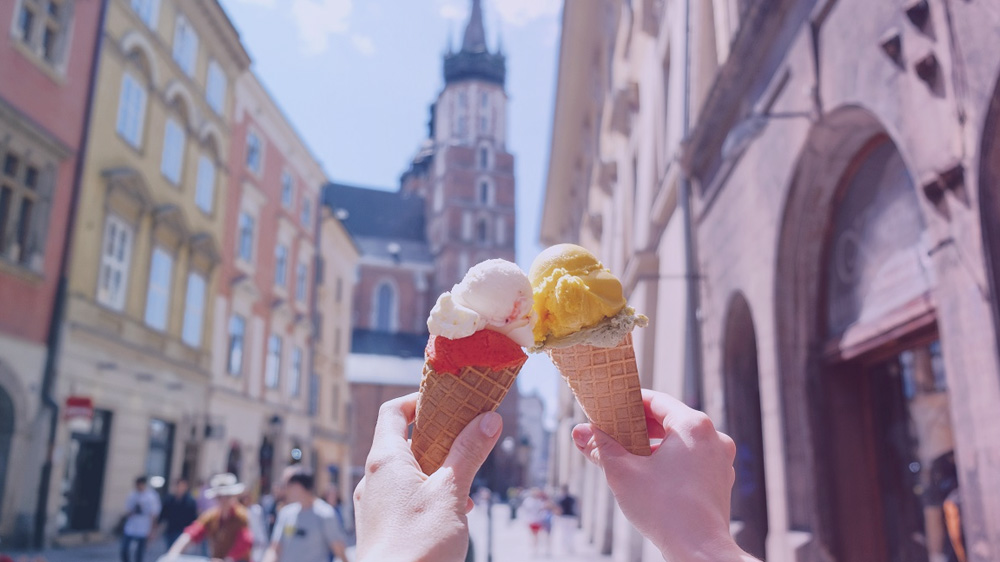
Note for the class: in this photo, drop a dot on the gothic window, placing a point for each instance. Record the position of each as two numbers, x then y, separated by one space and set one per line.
385 307
485 195
237 333
482 231
272 365
484 158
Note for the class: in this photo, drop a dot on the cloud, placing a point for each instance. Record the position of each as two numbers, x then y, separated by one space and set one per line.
453 10
363 44
317 20
523 12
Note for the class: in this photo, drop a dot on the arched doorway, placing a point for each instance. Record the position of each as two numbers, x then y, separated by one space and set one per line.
866 413
989 202
6 436
743 423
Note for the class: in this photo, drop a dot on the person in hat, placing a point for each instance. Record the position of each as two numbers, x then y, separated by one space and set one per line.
225 526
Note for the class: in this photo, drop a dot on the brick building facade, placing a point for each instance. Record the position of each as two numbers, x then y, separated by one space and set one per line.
829 220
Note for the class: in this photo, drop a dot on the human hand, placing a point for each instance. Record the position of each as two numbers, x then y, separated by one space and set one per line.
679 496
403 514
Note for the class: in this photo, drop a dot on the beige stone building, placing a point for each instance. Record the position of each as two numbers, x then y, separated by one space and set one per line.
143 272
832 301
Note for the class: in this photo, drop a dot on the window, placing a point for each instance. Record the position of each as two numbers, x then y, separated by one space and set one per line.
158 294
147 10
42 26
23 211
339 291
194 309
204 191
281 265
185 45
385 307
237 335
246 227
295 379
482 231
158 457
116 252
466 226
484 158
484 192
501 232
173 151
131 110
272 365
287 190
253 152
215 87
306 212
300 282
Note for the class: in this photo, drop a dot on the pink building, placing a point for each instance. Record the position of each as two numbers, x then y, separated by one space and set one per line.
46 66
264 331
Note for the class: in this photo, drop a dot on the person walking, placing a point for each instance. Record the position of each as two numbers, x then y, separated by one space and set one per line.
179 511
225 526
307 529
142 507
566 522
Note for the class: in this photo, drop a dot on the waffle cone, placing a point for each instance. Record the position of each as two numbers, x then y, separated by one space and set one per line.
447 403
605 382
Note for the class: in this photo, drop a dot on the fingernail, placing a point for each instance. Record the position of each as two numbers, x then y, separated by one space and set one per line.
582 435
490 424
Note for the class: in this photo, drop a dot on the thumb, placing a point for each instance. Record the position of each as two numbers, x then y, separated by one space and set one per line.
599 447
471 448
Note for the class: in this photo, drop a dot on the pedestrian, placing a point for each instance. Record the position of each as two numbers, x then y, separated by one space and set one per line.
225 527
332 497
306 529
257 521
537 510
142 507
179 511
678 497
566 522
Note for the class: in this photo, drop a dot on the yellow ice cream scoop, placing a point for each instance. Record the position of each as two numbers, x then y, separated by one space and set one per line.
572 291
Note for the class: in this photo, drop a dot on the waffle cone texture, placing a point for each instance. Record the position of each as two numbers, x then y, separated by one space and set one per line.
447 403
605 382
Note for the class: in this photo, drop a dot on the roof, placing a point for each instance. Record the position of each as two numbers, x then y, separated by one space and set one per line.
376 213
474 61
474 40
369 342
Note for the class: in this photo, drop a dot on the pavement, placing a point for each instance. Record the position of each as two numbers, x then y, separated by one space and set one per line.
512 542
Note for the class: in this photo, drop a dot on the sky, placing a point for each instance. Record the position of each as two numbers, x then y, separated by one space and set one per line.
356 79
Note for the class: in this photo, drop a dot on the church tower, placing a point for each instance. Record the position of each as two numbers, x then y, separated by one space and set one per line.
463 170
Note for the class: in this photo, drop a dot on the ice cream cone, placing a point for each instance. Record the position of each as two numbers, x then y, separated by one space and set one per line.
605 382
447 403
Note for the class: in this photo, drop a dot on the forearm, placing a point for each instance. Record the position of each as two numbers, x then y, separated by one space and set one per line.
179 545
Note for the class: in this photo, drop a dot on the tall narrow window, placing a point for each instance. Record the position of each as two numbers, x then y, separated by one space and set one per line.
484 158
215 87
246 226
148 11
237 335
204 192
295 377
466 226
306 212
287 190
385 307
501 232
280 265
116 252
253 152
131 110
185 46
194 309
23 211
272 365
301 273
158 295
485 197
173 151
482 231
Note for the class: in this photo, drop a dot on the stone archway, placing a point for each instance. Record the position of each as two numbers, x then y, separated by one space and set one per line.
830 155
743 424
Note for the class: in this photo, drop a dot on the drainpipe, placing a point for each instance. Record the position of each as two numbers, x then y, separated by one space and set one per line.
59 302
692 354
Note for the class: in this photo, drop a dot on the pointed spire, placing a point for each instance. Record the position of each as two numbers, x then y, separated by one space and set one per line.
475 36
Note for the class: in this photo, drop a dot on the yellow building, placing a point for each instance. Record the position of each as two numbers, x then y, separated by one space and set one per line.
143 272
339 261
